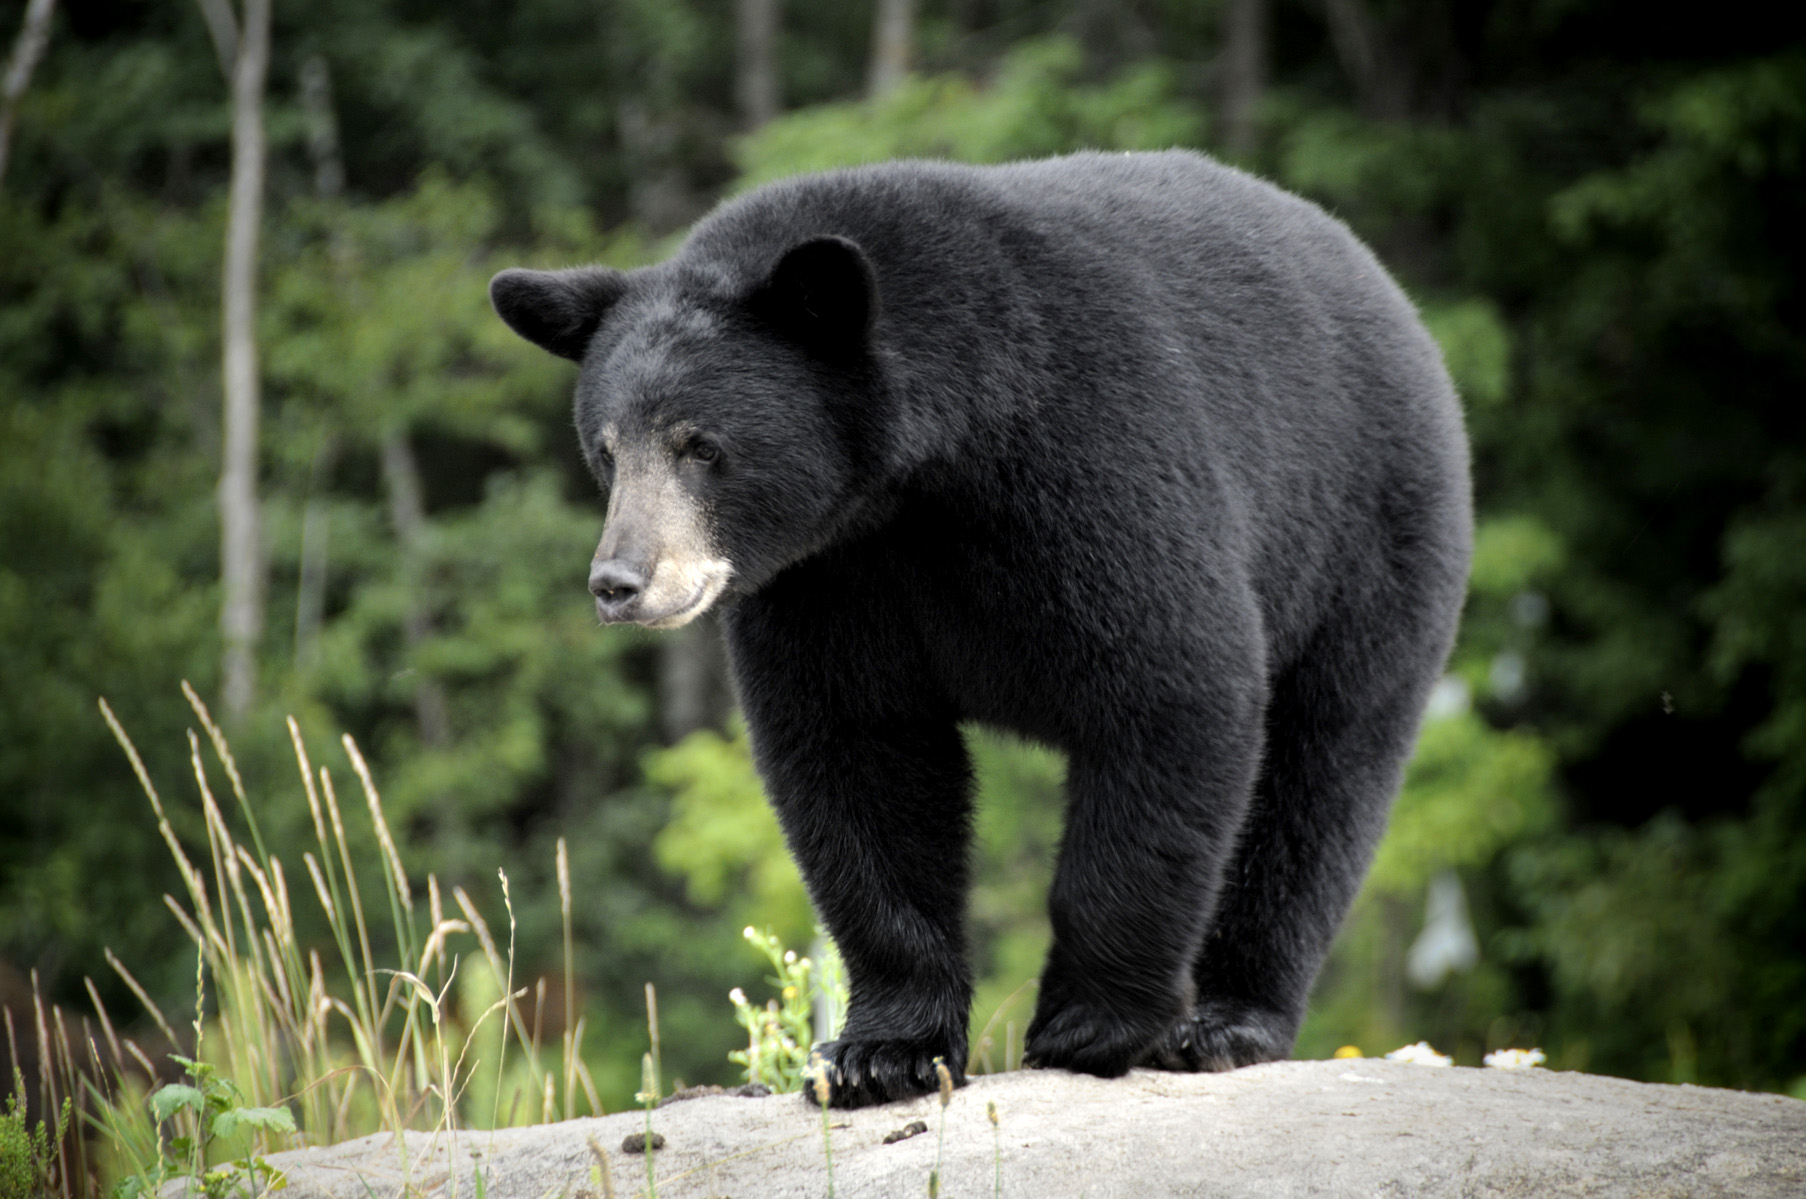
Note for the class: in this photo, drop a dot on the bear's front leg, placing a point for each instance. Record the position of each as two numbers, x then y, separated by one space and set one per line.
872 785
1151 824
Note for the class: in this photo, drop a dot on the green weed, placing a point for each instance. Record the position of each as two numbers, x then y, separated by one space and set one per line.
29 1162
780 1036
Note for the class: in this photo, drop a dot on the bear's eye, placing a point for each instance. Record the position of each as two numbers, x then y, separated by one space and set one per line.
702 451
604 462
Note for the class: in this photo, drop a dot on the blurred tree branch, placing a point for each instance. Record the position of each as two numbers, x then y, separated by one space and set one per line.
28 48
222 27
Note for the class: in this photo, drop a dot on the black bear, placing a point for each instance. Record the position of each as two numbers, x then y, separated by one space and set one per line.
1133 455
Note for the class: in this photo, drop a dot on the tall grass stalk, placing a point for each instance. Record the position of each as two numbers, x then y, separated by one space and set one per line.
380 1049
940 1136
648 1097
996 1150
818 1081
651 1088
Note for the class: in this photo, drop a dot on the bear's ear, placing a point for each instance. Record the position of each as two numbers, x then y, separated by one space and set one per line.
822 294
557 310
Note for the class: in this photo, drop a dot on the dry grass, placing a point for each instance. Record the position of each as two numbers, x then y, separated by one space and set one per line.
365 1036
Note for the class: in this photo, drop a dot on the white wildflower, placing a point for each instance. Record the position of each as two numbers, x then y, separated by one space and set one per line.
737 997
1515 1059
1420 1054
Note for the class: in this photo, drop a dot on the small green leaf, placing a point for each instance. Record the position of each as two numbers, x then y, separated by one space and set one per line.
173 1098
266 1119
129 1187
273 1179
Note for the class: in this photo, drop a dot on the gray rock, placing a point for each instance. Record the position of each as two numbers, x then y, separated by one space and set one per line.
1360 1127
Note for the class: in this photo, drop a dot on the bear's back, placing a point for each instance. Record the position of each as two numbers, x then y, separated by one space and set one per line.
1145 318
1001 280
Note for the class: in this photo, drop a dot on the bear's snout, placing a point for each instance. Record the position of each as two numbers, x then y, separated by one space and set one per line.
617 586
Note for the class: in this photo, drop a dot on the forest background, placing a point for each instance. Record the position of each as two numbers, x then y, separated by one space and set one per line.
1596 204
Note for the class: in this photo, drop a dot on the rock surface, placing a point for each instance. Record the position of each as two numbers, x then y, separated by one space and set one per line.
1360 1127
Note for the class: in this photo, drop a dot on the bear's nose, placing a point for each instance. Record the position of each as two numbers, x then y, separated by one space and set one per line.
614 583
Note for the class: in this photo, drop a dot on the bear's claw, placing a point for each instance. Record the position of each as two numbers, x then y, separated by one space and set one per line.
1085 1039
862 1073
1220 1036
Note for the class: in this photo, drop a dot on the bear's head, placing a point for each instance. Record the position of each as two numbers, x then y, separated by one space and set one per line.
727 424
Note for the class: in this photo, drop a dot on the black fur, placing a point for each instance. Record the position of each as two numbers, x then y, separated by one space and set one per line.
1131 454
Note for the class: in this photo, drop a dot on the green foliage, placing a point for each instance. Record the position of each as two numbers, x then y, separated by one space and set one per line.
1037 104
1470 792
1476 344
722 838
28 1152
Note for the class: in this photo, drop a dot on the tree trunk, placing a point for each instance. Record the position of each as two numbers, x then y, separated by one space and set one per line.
241 550
968 16
893 32
1381 80
329 182
28 48
1112 34
658 189
756 61
322 128
407 513
693 687
310 592
1244 72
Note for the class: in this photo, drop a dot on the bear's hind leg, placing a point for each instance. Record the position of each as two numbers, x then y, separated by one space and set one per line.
1339 733
1149 830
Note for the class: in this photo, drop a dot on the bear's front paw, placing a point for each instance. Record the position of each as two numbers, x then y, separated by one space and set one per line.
1218 1035
864 1072
1088 1039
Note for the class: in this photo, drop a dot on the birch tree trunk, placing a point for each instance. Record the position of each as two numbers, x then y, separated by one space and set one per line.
756 88
893 34
241 548
28 48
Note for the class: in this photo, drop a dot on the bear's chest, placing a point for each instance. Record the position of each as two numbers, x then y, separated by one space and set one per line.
1007 629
